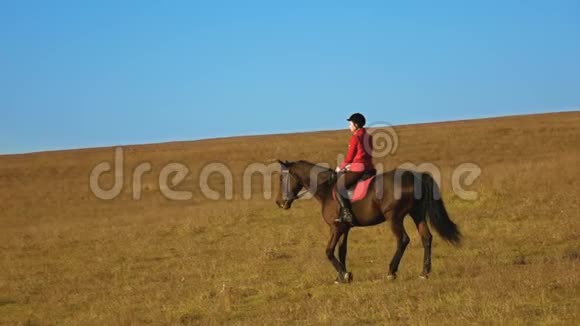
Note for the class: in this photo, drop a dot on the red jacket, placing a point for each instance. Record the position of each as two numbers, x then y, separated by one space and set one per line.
359 154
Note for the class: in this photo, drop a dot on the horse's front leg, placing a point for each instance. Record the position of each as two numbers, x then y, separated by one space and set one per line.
331 248
346 277
343 248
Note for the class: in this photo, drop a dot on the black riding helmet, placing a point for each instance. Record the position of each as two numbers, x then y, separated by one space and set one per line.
358 119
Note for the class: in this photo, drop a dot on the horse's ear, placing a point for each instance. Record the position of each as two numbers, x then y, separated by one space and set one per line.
282 163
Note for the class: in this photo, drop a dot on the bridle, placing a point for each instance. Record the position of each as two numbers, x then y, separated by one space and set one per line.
287 194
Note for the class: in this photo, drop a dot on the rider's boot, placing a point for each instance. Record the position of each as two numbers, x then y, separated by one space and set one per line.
345 215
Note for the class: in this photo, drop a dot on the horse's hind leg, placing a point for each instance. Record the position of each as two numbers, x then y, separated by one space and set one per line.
426 238
402 242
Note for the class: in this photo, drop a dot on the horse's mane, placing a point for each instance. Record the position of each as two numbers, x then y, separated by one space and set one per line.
330 176
316 166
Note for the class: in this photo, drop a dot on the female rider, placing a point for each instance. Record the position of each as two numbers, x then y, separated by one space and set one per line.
357 162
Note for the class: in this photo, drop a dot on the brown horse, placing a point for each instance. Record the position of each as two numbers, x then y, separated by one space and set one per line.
390 197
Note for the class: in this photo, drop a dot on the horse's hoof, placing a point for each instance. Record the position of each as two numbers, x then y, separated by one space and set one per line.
391 277
343 278
339 281
424 276
348 277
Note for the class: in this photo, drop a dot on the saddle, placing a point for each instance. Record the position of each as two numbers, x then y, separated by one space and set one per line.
359 190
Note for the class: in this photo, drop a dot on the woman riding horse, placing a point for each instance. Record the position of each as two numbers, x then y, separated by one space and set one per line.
358 162
391 196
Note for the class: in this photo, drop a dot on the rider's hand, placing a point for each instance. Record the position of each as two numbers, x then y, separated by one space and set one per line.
338 169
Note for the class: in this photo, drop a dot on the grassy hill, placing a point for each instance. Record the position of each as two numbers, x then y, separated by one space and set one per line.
71 258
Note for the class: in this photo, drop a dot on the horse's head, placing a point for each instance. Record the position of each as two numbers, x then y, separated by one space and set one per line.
290 185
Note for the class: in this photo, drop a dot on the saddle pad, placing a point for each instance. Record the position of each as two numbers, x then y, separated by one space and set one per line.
359 191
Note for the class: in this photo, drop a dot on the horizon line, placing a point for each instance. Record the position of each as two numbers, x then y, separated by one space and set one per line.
97 147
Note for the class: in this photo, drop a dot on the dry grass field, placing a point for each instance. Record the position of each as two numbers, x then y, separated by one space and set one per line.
68 257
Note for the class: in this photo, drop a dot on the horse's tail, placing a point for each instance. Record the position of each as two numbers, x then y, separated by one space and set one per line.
433 205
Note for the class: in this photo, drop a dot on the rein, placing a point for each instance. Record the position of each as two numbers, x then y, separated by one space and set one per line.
287 194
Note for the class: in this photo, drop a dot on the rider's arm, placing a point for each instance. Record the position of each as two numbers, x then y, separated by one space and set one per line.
352 148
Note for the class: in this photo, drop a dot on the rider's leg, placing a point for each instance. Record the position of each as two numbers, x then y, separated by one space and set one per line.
345 181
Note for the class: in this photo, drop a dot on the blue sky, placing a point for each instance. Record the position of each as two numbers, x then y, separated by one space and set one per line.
79 74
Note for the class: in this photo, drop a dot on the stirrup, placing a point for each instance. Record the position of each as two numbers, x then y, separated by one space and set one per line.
340 219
